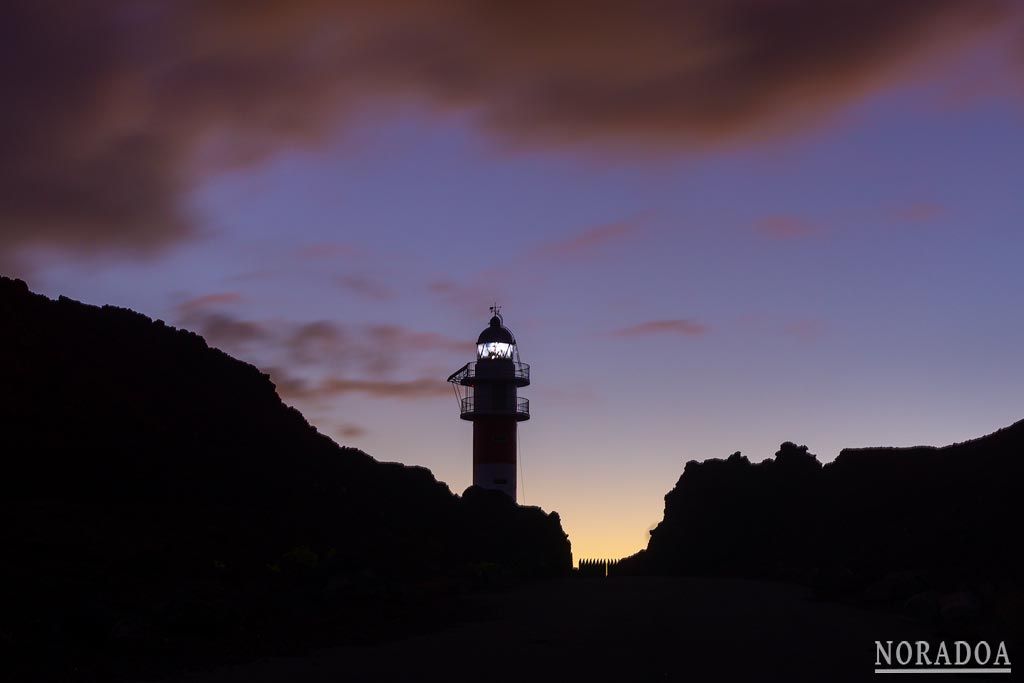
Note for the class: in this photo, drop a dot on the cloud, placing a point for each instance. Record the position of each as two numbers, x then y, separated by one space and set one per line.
417 388
301 389
222 329
316 342
115 110
442 287
471 299
254 275
807 329
218 327
395 337
784 227
587 241
686 328
473 296
366 287
372 349
772 325
207 300
347 354
918 213
351 431
327 250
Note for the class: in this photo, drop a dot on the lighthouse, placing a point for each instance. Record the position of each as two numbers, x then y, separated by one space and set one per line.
487 390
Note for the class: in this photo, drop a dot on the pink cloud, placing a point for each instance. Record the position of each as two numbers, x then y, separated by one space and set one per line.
217 327
686 328
588 241
327 250
264 79
393 336
221 329
472 296
351 431
785 227
319 344
470 300
775 325
807 329
297 388
254 275
207 300
366 287
918 213
442 286
373 349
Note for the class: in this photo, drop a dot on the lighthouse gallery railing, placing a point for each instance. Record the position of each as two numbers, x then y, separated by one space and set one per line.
522 407
468 372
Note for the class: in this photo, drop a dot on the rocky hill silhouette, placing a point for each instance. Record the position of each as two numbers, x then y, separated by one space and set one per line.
160 499
924 529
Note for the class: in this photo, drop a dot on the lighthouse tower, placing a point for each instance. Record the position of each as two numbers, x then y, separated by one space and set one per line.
487 391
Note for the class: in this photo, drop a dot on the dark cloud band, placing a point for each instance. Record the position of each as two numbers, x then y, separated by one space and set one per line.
115 109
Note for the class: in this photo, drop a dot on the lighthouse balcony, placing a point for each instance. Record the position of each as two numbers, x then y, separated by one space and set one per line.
471 409
492 370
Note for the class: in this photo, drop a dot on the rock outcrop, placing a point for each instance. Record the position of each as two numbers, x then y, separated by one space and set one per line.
872 521
158 494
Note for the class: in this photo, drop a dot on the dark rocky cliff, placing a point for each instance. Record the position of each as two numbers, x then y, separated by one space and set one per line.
932 531
155 488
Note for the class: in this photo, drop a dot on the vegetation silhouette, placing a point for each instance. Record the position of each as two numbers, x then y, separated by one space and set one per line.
166 508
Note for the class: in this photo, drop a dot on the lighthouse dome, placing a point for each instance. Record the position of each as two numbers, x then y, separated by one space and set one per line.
496 341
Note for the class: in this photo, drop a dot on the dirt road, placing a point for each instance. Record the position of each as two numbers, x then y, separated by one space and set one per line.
622 629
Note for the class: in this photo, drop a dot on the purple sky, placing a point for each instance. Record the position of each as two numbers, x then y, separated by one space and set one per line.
843 272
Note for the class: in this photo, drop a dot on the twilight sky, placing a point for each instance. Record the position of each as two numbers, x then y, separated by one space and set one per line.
713 226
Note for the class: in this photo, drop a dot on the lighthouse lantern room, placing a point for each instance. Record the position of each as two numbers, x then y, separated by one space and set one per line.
487 390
